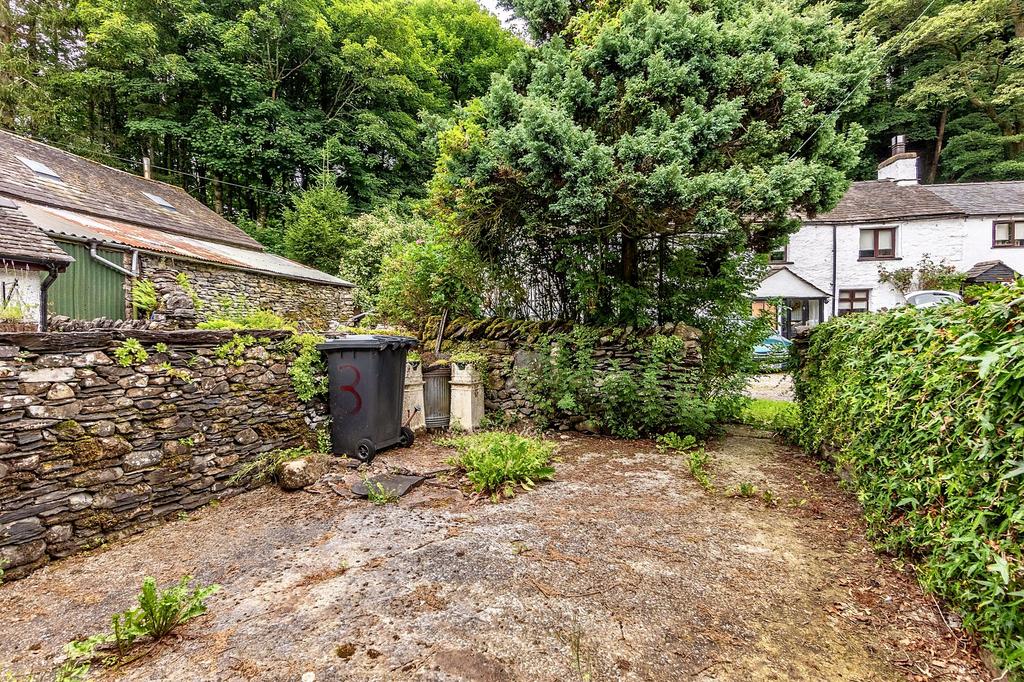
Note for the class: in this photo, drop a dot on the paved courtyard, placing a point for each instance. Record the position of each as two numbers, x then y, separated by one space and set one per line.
624 568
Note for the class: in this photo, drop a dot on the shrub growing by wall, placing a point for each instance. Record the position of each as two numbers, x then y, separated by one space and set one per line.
925 408
653 389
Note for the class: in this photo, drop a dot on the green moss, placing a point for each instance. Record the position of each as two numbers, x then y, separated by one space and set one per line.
82 451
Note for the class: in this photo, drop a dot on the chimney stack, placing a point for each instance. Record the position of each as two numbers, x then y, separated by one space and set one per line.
147 168
902 166
899 144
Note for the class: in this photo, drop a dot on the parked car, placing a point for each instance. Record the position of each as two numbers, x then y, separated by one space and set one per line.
932 297
773 352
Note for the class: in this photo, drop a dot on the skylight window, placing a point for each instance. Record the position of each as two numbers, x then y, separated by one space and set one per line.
38 168
160 201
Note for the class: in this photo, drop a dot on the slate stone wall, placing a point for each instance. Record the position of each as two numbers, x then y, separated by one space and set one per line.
91 451
509 344
315 306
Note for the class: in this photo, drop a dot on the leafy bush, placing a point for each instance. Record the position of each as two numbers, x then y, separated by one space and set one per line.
924 408
374 237
309 369
426 276
497 461
655 396
130 352
236 313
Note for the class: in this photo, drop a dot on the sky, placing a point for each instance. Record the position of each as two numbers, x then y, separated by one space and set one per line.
504 16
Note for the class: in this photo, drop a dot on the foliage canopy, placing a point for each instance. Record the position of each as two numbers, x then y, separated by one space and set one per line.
624 168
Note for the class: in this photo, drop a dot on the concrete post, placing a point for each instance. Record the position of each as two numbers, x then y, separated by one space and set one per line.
413 398
467 397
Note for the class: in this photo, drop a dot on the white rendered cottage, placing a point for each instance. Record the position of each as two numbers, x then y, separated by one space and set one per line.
831 265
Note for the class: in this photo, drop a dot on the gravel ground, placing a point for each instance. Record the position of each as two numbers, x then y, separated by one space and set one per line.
621 569
778 386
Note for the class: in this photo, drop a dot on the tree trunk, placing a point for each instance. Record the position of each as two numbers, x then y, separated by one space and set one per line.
940 133
630 255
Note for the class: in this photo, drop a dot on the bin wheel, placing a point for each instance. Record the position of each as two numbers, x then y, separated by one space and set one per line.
365 451
407 438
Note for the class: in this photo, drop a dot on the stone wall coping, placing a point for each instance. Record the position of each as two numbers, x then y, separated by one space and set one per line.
56 341
496 328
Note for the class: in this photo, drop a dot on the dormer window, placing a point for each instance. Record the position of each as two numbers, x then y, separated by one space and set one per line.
39 168
159 201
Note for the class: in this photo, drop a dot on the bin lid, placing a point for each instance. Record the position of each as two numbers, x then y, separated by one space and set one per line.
368 342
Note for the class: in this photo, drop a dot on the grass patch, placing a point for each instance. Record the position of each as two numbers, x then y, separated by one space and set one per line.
497 462
779 416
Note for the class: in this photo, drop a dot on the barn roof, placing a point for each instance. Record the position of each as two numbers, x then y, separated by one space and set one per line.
22 241
36 172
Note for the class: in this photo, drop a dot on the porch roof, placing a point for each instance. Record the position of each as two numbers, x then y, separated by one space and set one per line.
784 283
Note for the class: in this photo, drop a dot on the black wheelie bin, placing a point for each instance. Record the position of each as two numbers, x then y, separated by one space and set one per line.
366 383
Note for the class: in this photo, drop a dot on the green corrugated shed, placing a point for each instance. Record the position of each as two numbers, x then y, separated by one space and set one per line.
88 289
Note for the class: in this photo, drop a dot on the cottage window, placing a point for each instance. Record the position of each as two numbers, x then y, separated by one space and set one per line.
878 243
1008 233
779 255
853 301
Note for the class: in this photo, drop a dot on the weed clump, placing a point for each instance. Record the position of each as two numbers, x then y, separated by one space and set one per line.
159 612
267 467
497 462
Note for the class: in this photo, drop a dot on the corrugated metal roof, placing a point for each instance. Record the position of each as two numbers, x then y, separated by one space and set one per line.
57 222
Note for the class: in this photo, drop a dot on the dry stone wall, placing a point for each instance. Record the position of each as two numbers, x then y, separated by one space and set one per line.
315 306
509 344
91 450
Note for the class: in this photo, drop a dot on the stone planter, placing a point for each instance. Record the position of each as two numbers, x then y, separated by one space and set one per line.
412 402
467 396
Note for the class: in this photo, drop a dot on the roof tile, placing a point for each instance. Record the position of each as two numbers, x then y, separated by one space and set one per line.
880 200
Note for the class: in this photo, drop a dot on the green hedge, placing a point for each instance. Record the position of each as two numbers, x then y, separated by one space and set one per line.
926 409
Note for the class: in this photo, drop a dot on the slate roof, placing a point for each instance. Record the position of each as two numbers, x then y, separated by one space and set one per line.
20 240
882 200
94 189
982 198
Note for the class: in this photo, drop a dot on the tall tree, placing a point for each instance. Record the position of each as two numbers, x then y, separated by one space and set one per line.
955 80
628 164
237 98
